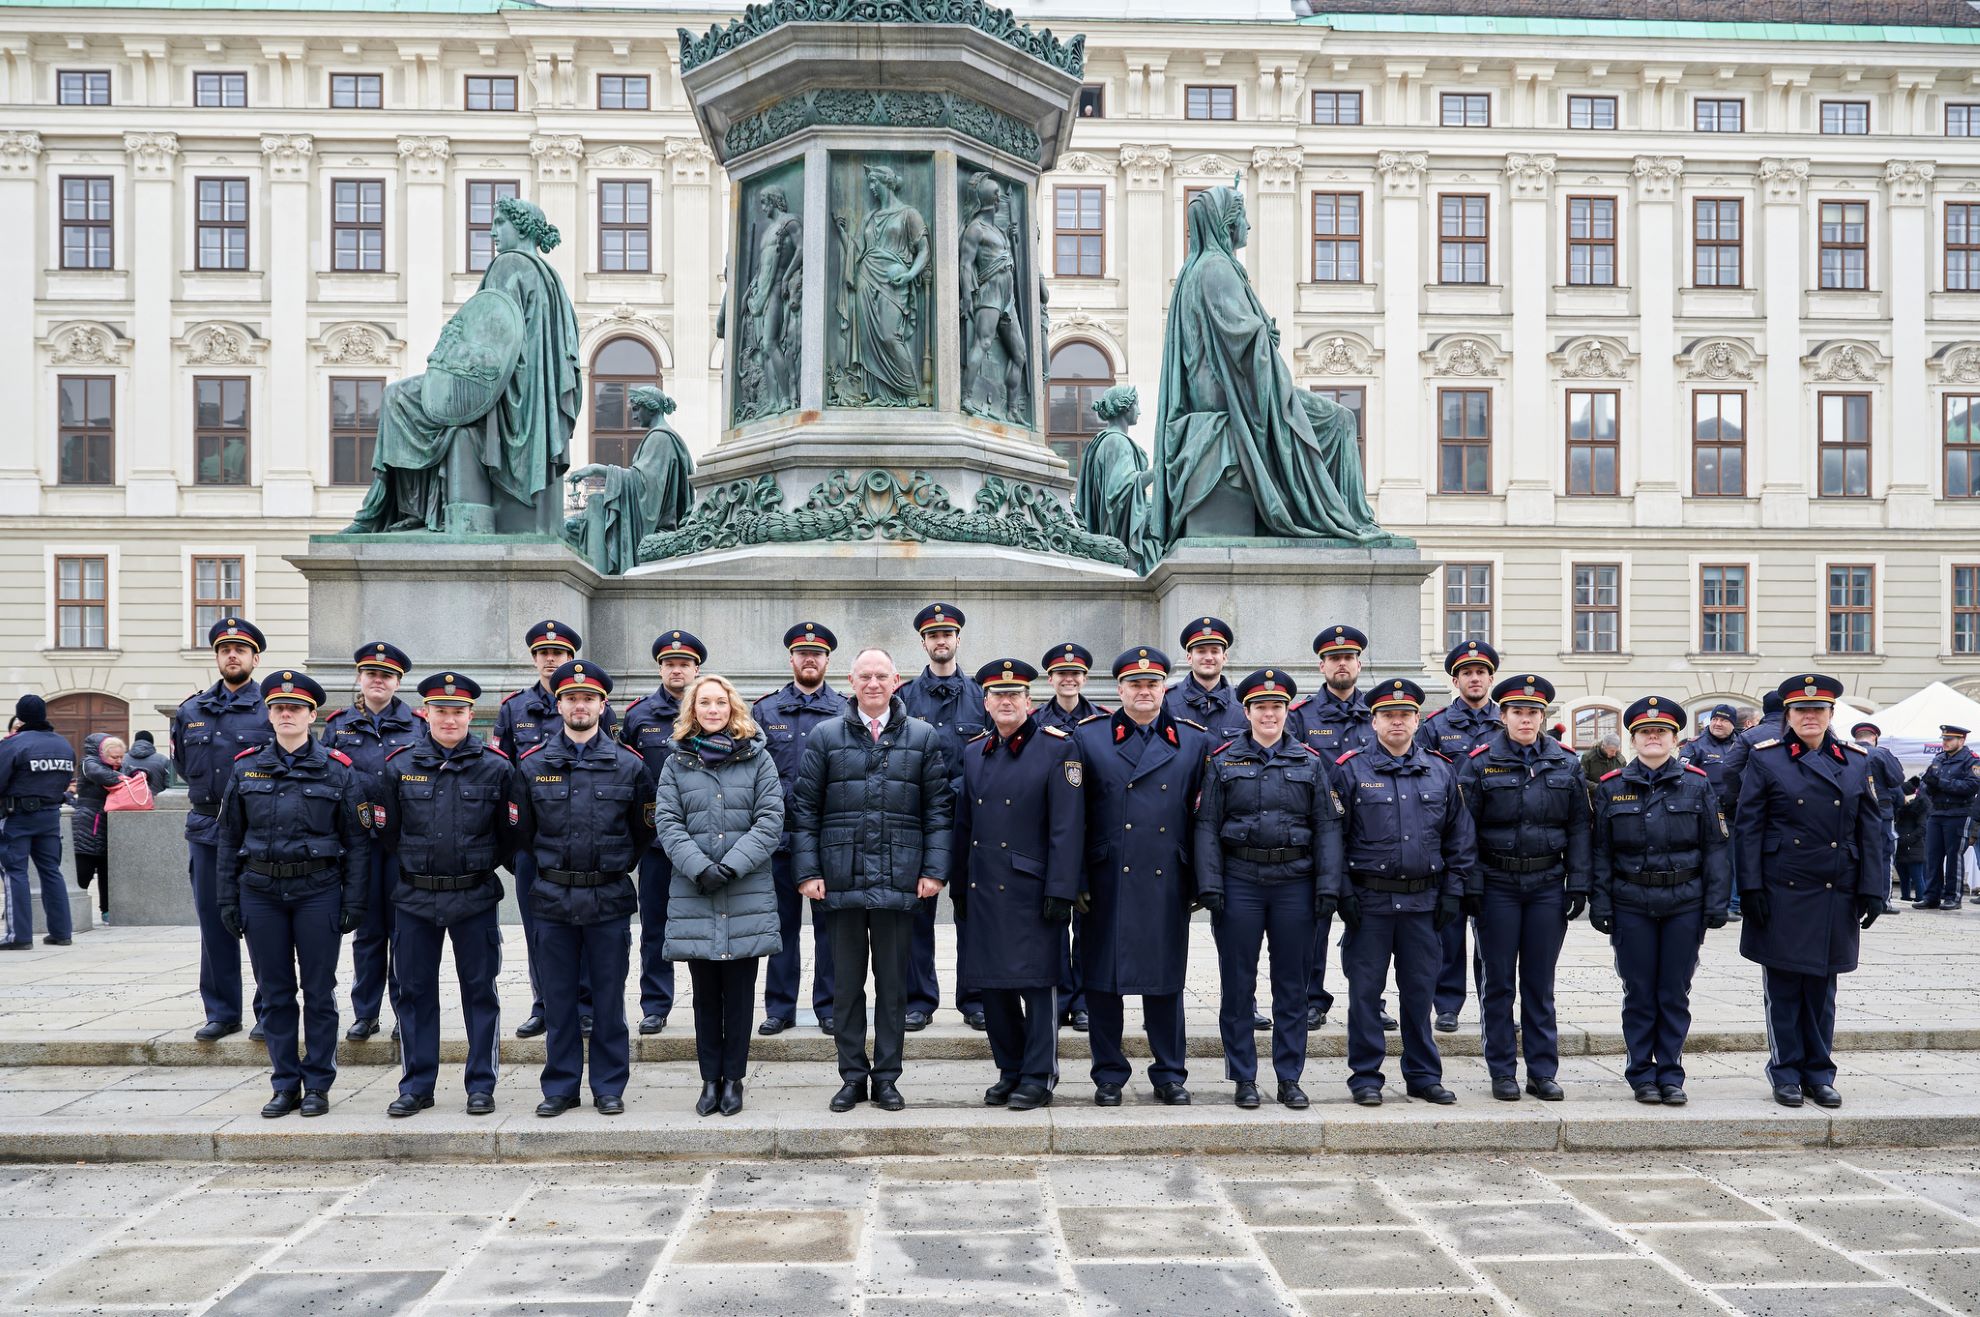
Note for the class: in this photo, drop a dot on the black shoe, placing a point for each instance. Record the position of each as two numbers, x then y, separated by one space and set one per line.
1247 1095
1080 1021
52 941
315 1102
827 1025
1000 1092
887 1097
258 1034
556 1106
1446 1022
1172 1095
1733 917
1673 1094
361 1030
975 1020
1437 1093
284 1101
1106 1095
17 946
609 1104
1926 905
652 1024
1824 1095
214 1030
1292 1095
1315 1017
1788 1095
409 1104
731 1099
1367 1097
1649 1094
848 1097
1389 1024
711 1094
531 1027
584 1026
1544 1088
770 1028
1030 1097
918 1020
1260 1021
395 1031
1891 908
481 1104
1505 1088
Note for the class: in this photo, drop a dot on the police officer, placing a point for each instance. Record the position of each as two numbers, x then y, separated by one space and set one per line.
1767 727
1205 696
1529 808
1066 666
585 810
36 767
369 730
293 863
1810 858
1144 770
1950 783
1661 878
950 702
649 729
1019 838
442 809
1887 777
1454 731
788 717
1409 852
209 730
1710 747
1267 843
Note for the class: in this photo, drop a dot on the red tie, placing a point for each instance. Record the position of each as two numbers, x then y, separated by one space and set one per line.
876 724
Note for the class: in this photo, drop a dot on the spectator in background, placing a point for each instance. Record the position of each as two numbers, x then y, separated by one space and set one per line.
102 768
1911 817
1748 719
1604 759
143 757
1559 732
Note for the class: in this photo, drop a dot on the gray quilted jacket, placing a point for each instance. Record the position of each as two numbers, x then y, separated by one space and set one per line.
731 814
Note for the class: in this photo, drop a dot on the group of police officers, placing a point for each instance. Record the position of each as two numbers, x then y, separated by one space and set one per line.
1275 813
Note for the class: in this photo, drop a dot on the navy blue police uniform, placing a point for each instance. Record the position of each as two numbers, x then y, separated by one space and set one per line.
1711 753
1016 858
1810 860
1215 708
788 716
1887 779
1409 851
1951 782
1529 810
294 856
1768 728
649 729
366 739
36 766
444 812
1661 878
209 731
1141 784
585 811
1454 731
1070 657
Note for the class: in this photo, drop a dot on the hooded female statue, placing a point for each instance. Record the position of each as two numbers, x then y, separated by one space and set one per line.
1111 497
652 494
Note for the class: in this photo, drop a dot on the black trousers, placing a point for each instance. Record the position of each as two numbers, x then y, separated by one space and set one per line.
1023 1024
724 1006
883 936
95 869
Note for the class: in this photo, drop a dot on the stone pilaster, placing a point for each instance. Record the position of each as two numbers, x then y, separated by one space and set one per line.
1140 256
1401 499
288 486
1278 240
20 169
1659 499
423 168
559 158
160 443
693 213
1533 447
1787 469
1914 426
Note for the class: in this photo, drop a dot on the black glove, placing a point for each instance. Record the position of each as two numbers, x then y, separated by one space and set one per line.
351 919
230 919
1447 912
1603 924
1211 901
1717 919
710 880
1083 903
1325 907
1472 906
1756 906
1867 909
1057 910
1576 903
1351 911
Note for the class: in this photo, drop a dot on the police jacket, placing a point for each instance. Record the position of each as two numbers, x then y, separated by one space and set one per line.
1529 806
1216 710
872 818
952 706
729 813
367 738
586 813
788 716
36 765
1710 754
648 728
1911 816
1267 816
1141 790
1887 778
1019 837
1950 781
1769 728
1457 729
209 731
529 717
291 825
1329 726
1810 834
1051 715
1408 839
446 815
1660 842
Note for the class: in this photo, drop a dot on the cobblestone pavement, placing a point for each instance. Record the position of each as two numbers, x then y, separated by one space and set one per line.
1794 1235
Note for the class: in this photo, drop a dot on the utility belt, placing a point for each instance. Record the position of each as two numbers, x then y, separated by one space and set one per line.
579 878
300 869
206 811
444 882
1381 882
1524 864
1267 854
27 804
1660 877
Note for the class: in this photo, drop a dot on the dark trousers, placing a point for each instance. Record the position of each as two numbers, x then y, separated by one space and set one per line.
924 992
291 942
372 970
1316 976
724 1008
1801 1026
1655 958
884 937
525 871
416 947
656 972
1449 997
1161 1018
219 953
1911 879
1023 1026
1943 858
1409 940
786 968
1072 974
1519 937
95 870
563 952
40 849
1279 915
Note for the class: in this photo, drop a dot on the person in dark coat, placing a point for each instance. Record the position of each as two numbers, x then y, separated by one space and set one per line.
1710 747
1811 850
1015 860
1065 666
36 766
101 768
1529 808
871 840
1887 776
1143 772
1911 817
1662 878
1204 695
719 811
1454 731
1602 759
1951 783
143 757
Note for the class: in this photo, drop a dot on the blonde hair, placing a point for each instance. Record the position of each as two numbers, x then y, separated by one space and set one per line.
741 725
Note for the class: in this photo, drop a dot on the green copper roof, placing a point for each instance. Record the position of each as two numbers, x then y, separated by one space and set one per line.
289 6
1466 25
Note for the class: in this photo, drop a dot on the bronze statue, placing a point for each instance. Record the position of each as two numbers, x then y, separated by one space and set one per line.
879 304
992 325
767 382
1114 486
652 494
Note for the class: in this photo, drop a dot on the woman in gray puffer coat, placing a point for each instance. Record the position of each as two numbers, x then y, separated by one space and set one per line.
719 812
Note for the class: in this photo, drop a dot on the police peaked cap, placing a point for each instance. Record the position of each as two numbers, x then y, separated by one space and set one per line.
580 675
1810 688
679 644
552 634
1471 651
292 687
1339 640
235 631
1069 656
450 688
1395 693
936 616
1267 684
382 656
1141 661
1207 631
1525 688
1655 711
1006 675
811 635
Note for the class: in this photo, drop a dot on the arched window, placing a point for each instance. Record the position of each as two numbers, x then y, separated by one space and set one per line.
1080 373
1592 722
619 366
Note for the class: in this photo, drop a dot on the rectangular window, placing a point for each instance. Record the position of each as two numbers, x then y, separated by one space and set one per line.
1966 608
491 93
1852 609
1962 430
1718 116
1593 440
220 431
354 407
1962 247
82 87
624 91
218 591
82 603
1843 442
1592 241
1845 118
86 223
1592 112
482 196
222 224
1465 109
86 430
1718 244
1718 443
1339 108
1079 241
1722 610
1337 237
1092 101
1464 441
357 224
1210 102
357 91
1597 608
220 91
1845 244
1463 231
1963 121
625 235
1467 603
1355 398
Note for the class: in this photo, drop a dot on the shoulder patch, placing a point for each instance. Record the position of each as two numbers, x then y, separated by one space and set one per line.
1441 755
1477 750
534 748
494 749
1301 702
1854 746
515 694
1191 722
1690 767
1225 746
978 737
1611 773
1349 755
341 758
1059 732
629 750
1094 718
396 753
251 750
1769 743
1309 749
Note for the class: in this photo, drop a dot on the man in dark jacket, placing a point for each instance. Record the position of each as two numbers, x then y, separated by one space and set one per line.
1711 746
1454 731
874 810
1952 783
1887 776
36 765
1911 819
1065 667
143 757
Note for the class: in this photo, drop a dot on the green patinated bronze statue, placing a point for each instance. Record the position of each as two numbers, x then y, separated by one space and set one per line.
651 495
880 313
1112 496
995 380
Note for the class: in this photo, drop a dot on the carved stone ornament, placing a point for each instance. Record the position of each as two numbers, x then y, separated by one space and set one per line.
557 157
623 157
860 107
1210 166
1402 171
1278 166
1594 359
1846 363
288 154
1718 359
221 343
358 344
1145 165
691 159
1784 179
1910 181
1657 176
1336 354
425 157
86 343
1463 355
1001 24
622 316
1531 175
151 154
18 152
1959 364
1079 162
